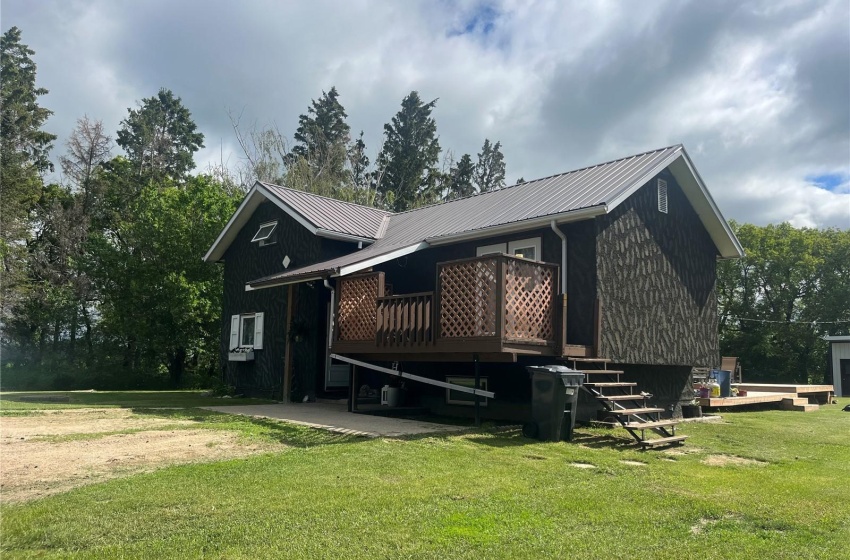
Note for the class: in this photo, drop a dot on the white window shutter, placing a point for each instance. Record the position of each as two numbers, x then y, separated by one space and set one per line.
234 332
258 331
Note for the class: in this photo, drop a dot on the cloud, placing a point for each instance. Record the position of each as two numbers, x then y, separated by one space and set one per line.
759 91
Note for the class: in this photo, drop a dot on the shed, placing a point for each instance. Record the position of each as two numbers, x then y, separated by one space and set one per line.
839 364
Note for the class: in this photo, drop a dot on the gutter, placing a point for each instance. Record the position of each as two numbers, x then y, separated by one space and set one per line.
563 295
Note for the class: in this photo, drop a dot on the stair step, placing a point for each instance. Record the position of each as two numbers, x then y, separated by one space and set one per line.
601 371
590 360
804 407
621 397
650 425
633 411
791 402
662 441
610 384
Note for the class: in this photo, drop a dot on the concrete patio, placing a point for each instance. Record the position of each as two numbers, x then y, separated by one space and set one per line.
336 418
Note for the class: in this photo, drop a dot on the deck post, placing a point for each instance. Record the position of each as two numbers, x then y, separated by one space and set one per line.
287 363
477 396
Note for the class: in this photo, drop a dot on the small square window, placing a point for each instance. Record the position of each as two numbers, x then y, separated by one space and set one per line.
264 234
525 248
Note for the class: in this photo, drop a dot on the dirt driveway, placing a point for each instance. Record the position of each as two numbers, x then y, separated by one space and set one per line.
53 451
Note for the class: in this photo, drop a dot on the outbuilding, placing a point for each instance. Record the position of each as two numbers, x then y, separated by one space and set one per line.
839 364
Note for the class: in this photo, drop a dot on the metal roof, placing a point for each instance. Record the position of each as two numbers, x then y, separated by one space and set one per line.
331 214
571 196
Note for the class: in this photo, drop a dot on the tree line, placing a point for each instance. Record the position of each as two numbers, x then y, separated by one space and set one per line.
103 283
102 280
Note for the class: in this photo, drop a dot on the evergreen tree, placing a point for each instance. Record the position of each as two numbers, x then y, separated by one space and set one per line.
160 137
490 170
408 158
24 148
322 142
460 184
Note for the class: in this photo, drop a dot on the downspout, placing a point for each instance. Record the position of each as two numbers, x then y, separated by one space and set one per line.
563 294
330 330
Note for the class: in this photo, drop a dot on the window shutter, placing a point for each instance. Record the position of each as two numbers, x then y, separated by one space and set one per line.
234 332
258 331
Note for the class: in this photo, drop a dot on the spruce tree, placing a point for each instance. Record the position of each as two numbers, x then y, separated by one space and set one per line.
408 158
490 170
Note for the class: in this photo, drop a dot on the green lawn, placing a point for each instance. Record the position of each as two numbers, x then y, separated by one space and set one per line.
777 487
11 403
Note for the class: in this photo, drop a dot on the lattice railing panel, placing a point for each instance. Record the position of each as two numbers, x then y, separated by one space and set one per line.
468 298
356 318
529 288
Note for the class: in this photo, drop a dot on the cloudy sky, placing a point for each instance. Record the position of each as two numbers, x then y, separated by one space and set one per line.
758 92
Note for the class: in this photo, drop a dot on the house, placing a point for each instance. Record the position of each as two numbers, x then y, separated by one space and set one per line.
617 260
838 366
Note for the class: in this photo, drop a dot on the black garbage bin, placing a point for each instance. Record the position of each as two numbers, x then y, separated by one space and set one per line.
554 399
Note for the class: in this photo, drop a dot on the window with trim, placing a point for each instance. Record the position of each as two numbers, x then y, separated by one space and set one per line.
266 234
461 397
246 331
525 248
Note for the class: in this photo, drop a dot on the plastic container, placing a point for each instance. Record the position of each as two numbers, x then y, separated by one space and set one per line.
554 400
724 379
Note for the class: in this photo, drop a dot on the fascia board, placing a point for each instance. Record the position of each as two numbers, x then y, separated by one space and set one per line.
286 282
644 178
329 234
516 227
718 228
311 227
358 266
237 220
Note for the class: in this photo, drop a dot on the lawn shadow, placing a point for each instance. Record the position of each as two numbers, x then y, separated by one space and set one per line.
293 435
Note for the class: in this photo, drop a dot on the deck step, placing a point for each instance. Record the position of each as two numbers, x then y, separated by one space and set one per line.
662 441
650 425
637 397
605 384
791 402
633 411
601 371
590 360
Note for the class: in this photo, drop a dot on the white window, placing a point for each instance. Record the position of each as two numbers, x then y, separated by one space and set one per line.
246 331
526 248
264 234
496 249
461 397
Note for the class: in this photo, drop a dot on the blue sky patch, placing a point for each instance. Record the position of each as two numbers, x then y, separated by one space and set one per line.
828 181
480 21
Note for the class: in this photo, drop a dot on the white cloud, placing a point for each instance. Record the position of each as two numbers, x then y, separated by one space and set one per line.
759 92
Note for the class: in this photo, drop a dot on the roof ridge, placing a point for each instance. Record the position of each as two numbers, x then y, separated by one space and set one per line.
441 203
385 212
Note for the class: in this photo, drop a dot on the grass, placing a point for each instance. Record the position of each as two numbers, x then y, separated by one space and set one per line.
484 494
12 405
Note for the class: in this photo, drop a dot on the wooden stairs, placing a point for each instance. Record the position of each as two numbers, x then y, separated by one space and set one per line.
631 409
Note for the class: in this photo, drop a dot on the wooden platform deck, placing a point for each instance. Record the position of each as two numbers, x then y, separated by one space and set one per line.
758 393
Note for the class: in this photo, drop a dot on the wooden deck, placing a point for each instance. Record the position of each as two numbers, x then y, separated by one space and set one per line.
759 393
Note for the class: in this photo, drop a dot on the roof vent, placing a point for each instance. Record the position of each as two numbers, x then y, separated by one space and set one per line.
662 195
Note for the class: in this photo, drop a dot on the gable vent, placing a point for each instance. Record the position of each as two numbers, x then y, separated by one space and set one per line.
662 195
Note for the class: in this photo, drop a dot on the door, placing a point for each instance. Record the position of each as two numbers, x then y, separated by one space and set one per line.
845 378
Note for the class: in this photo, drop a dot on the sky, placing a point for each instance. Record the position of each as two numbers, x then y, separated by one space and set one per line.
758 92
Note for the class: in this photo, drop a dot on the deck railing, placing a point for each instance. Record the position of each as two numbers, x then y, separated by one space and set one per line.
496 298
405 320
